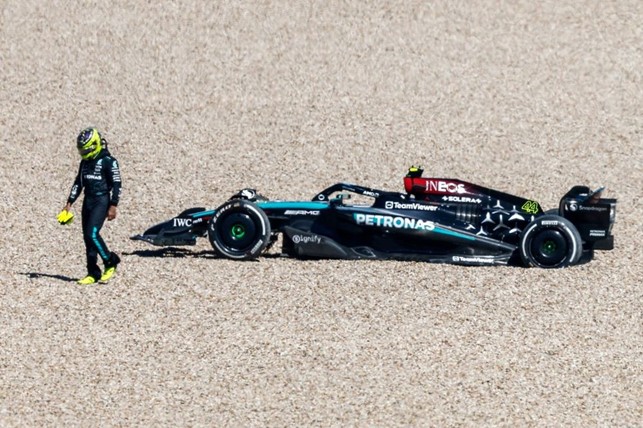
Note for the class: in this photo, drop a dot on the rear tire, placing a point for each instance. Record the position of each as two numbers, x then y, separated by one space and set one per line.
550 241
239 230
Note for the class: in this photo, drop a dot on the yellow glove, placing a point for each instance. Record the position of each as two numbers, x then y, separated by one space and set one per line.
65 217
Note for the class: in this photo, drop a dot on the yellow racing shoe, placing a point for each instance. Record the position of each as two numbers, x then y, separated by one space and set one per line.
109 272
87 280
110 267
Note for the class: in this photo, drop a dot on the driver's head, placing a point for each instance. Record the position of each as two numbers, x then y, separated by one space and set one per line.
415 171
89 143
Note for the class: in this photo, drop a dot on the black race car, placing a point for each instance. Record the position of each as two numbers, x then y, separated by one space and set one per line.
435 220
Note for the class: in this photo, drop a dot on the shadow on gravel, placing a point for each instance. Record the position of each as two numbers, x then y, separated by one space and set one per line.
182 252
36 275
172 252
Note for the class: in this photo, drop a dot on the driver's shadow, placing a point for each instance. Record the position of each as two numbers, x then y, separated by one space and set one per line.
163 252
36 275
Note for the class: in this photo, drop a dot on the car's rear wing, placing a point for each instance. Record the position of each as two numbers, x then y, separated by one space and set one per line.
592 215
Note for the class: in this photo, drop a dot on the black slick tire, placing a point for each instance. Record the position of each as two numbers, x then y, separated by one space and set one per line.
239 230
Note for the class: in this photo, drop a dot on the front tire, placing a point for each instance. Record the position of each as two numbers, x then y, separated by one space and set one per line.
550 241
239 230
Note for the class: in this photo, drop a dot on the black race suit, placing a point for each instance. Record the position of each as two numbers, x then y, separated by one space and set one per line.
101 179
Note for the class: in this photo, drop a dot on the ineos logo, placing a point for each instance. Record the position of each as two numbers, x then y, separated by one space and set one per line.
444 187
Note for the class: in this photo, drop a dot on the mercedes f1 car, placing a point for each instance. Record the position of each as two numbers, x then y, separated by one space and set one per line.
435 220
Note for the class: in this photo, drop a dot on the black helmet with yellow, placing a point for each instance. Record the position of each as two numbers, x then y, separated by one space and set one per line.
89 143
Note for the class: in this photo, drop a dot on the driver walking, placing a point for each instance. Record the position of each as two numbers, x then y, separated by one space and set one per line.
100 177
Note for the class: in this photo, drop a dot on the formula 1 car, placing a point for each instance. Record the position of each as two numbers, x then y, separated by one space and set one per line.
435 220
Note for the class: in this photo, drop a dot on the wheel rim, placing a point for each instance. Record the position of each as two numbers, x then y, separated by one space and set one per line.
550 248
238 231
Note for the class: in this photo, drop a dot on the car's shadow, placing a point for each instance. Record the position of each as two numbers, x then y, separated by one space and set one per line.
173 252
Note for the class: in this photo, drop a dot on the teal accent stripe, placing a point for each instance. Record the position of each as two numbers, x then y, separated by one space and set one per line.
453 233
203 213
289 205
280 205
101 250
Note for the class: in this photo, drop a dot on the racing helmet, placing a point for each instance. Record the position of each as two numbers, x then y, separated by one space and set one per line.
89 143
415 171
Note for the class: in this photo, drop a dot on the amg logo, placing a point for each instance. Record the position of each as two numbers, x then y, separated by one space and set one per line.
392 205
439 186
393 222
301 212
182 222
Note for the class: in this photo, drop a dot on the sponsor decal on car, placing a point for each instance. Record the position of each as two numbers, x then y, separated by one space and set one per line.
394 205
467 259
301 212
597 233
392 222
591 208
306 239
440 186
182 222
461 199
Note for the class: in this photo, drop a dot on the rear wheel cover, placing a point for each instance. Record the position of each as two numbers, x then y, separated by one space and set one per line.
239 230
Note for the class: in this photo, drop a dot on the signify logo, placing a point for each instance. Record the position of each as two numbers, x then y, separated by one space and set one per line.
392 222
306 239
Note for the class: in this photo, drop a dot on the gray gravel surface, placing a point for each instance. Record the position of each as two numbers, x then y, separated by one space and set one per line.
200 99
